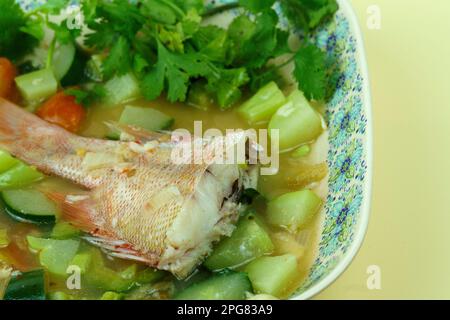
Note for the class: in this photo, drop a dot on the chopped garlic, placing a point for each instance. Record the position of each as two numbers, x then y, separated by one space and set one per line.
147 147
99 160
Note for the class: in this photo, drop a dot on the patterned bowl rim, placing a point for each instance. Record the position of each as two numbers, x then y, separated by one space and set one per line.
364 213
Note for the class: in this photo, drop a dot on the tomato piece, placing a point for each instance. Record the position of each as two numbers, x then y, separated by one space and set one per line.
63 110
7 75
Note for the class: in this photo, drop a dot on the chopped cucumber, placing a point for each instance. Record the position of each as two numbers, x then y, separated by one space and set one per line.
149 275
301 152
273 275
60 296
27 286
248 242
146 118
111 295
54 255
225 286
64 230
293 210
83 261
31 206
298 123
262 106
6 161
285 242
121 89
63 58
18 176
107 279
37 85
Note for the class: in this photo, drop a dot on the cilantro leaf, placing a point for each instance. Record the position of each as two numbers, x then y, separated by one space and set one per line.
54 6
14 42
63 33
226 85
252 43
87 97
310 72
109 20
262 44
188 5
308 14
212 42
161 11
176 69
257 5
118 61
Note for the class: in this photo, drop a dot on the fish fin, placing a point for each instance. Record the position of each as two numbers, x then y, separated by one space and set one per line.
137 134
117 248
76 209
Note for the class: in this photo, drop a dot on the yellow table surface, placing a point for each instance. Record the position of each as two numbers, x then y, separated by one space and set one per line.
409 231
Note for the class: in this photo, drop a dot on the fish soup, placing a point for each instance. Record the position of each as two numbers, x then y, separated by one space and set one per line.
64 227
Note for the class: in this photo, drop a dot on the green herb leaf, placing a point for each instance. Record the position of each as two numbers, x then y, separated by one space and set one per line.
308 14
14 42
310 72
118 61
257 6
86 97
176 69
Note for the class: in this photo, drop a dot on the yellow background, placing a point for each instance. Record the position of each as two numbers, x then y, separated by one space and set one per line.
409 231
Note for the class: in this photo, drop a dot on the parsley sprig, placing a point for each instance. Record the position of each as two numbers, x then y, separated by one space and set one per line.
168 47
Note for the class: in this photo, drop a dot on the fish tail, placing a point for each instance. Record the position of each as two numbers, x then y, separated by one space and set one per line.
79 210
51 149
26 136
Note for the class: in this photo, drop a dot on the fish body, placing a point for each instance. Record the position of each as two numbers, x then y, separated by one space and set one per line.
138 204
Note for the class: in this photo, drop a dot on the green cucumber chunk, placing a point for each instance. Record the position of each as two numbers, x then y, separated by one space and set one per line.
121 89
83 261
111 295
60 296
146 118
262 106
149 275
293 210
273 275
64 230
63 58
102 277
301 152
6 161
248 242
18 176
296 121
54 255
28 205
224 286
37 85
27 286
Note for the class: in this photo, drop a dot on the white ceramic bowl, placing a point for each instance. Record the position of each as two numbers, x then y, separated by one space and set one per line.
349 116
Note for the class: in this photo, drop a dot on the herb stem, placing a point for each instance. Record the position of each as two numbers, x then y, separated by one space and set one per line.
220 9
51 51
